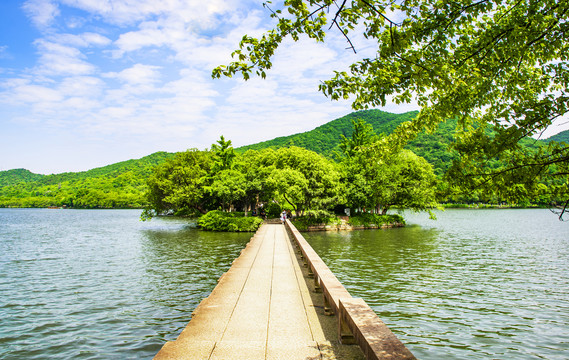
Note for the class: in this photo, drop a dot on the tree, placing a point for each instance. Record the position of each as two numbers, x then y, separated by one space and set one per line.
229 186
498 65
256 166
223 154
378 181
180 184
304 179
362 135
291 185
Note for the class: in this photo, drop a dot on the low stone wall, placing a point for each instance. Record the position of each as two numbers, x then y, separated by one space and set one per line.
345 226
357 323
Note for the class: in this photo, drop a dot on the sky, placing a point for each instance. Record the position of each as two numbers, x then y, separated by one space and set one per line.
87 83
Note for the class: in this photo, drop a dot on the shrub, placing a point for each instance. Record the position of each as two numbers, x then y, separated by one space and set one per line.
366 219
273 210
223 221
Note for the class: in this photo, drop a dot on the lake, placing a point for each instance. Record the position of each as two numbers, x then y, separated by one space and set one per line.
474 284
99 284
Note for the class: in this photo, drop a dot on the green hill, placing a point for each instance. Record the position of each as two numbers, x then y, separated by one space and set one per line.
123 184
12 177
325 139
120 185
561 137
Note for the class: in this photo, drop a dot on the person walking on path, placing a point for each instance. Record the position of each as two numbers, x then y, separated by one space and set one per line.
283 216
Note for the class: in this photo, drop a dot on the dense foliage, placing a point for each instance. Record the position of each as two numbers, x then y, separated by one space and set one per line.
315 217
241 176
294 179
367 219
498 67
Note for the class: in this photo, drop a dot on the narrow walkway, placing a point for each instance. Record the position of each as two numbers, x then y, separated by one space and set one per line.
262 308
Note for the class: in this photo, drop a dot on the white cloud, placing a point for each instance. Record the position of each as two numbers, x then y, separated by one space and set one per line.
81 40
137 74
59 59
41 12
150 34
21 91
126 12
81 86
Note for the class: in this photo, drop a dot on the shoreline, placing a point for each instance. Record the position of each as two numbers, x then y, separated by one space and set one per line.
348 227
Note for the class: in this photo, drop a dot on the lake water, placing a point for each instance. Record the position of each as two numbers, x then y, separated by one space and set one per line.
100 284
474 284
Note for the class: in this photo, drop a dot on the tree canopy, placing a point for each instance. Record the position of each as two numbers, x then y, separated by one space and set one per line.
499 65
296 179
377 180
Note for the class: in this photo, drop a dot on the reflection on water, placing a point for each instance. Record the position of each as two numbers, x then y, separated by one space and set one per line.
482 284
101 284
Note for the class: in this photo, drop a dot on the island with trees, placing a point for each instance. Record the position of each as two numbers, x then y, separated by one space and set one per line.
318 174
313 188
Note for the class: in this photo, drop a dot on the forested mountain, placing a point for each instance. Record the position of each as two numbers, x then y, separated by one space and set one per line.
12 177
119 185
561 137
325 139
123 184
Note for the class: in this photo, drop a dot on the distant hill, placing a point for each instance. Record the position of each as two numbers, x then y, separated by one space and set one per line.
11 177
139 167
119 185
561 137
123 184
325 139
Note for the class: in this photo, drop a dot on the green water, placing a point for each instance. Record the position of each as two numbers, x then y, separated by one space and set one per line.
487 284
101 284
475 284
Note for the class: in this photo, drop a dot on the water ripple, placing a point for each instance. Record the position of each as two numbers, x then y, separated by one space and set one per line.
473 284
100 284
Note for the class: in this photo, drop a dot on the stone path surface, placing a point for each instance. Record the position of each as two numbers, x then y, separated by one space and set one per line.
262 308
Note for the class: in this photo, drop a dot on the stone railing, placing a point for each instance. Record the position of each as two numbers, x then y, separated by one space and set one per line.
357 322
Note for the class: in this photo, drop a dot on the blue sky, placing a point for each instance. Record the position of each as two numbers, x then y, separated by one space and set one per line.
87 83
